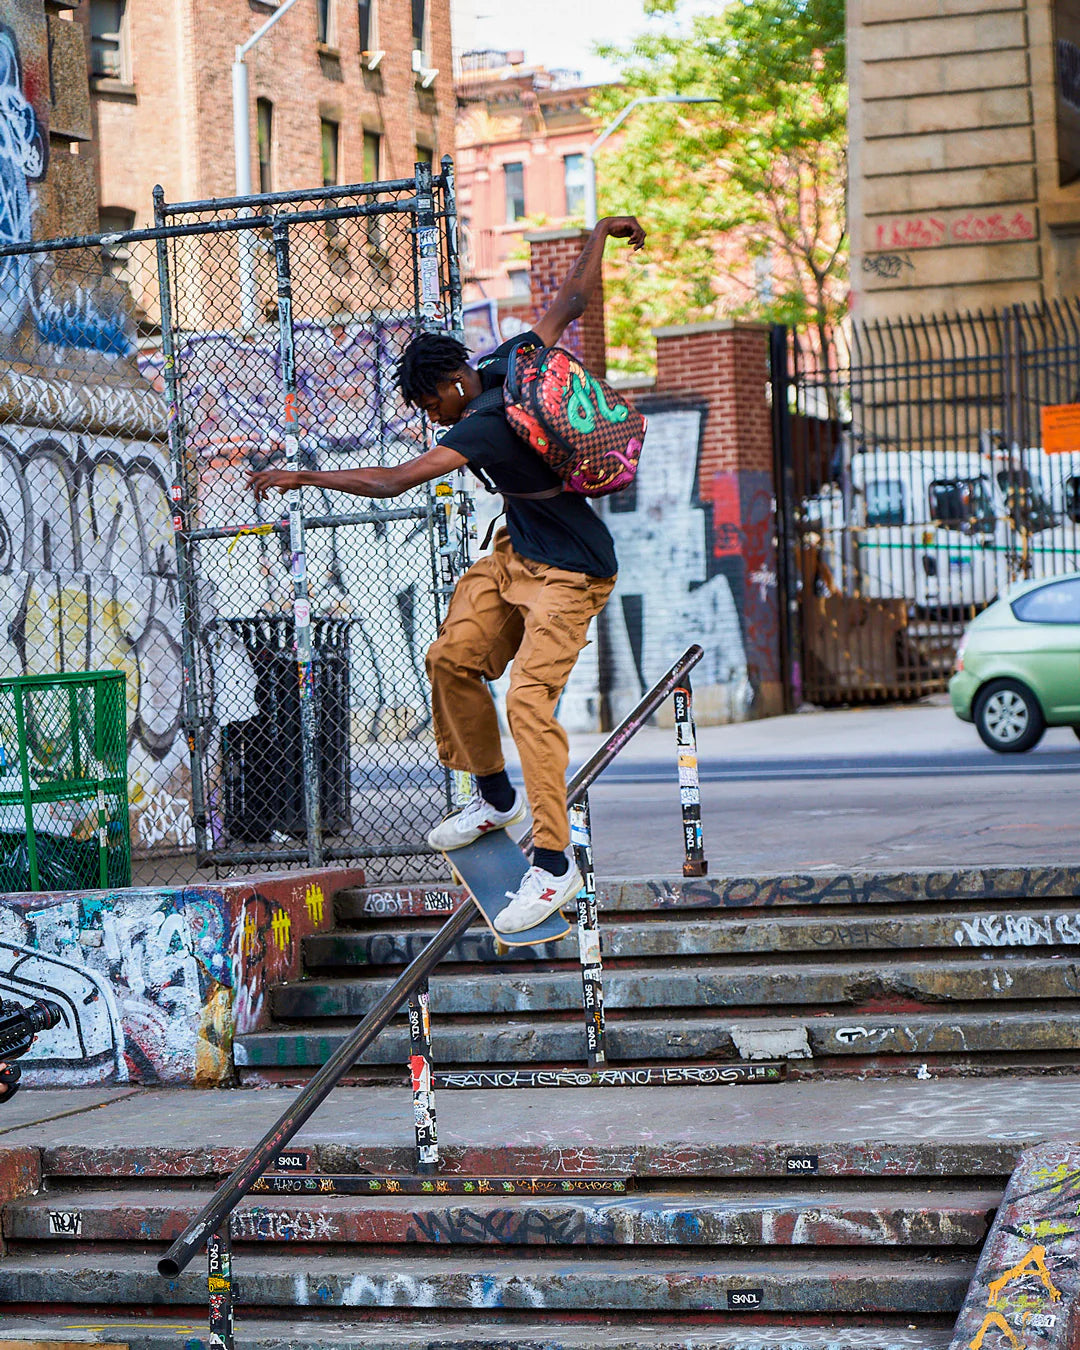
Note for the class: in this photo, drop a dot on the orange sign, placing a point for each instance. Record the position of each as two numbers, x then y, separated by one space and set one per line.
1061 428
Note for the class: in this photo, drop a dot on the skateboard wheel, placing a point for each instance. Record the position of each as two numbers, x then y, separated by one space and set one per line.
501 948
457 876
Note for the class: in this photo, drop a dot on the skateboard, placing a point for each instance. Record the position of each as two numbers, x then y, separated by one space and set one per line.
488 868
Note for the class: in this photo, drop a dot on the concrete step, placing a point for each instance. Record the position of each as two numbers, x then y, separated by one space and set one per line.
783 1281
916 886
722 935
968 978
713 1036
807 1216
472 1332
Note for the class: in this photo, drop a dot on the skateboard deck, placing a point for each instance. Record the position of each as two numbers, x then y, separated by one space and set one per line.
490 867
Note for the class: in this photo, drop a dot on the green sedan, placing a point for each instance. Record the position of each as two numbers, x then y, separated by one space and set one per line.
1018 664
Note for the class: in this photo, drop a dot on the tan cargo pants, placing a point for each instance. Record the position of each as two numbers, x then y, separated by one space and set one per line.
507 608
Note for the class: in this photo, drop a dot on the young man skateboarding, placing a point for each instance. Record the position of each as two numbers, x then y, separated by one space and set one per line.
529 602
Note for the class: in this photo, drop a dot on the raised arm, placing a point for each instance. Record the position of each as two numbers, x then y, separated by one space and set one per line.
574 294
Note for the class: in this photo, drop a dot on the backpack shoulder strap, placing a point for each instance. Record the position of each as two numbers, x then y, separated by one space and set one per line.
490 400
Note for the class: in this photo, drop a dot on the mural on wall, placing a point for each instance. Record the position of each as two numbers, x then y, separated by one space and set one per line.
24 157
88 582
744 550
154 983
53 307
672 589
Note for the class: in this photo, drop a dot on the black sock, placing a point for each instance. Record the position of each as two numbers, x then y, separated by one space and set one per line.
496 789
551 860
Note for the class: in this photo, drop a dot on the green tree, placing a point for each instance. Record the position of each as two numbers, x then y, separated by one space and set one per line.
743 198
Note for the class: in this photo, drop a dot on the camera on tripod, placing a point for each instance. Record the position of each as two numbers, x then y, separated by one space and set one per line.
19 1024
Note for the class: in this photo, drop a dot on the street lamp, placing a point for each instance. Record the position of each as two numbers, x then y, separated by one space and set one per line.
590 153
241 111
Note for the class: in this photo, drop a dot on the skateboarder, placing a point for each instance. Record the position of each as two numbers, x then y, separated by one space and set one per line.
529 602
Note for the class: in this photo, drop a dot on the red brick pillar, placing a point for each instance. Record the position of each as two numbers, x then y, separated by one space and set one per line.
553 254
726 365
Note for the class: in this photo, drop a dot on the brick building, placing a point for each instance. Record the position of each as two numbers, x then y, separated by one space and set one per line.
522 133
965 153
340 92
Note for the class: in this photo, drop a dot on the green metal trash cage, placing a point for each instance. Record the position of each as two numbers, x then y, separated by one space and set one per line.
63 782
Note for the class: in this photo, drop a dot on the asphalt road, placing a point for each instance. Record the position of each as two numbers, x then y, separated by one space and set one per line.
882 788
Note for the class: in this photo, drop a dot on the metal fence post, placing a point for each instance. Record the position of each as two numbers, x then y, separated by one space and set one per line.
305 657
453 264
423 1082
784 489
184 507
689 786
219 1285
592 967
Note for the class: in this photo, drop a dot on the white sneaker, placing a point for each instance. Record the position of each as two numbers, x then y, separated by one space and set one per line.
477 817
539 895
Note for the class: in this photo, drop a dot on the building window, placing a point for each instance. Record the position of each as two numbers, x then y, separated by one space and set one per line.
372 155
425 155
107 39
515 192
419 26
574 183
369 25
325 11
330 138
264 114
519 283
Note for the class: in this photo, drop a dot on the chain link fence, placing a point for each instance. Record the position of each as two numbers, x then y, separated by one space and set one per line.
278 710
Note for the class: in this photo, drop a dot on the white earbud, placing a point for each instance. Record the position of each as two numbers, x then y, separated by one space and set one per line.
457 386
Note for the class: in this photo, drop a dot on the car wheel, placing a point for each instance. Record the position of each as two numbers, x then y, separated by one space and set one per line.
1008 717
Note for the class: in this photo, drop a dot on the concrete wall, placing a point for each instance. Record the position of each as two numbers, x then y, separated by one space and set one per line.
155 982
956 200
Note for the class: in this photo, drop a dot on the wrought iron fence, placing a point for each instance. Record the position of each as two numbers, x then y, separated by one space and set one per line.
277 706
916 486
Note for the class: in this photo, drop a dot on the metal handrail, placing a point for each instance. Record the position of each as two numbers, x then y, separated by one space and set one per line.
232 1190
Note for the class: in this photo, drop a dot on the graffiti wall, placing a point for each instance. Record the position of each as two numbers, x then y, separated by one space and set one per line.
674 586
88 582
154 983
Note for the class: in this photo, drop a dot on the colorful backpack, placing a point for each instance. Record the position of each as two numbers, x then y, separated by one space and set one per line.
582 429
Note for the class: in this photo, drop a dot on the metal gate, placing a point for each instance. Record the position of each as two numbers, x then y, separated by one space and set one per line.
306 617
913 487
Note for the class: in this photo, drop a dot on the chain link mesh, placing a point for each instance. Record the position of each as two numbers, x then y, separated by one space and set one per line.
116 431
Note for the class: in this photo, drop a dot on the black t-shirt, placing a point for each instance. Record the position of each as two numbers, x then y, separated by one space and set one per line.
562 531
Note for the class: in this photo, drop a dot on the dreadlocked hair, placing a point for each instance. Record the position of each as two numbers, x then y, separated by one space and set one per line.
428 360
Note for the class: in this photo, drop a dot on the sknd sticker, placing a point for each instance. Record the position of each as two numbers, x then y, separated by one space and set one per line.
745 1298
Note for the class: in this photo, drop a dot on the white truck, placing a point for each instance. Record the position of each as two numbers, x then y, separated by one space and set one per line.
946 529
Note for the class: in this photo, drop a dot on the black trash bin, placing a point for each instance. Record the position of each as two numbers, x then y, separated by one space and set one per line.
262 762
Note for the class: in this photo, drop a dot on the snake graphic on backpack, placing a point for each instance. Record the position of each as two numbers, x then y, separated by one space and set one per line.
586 432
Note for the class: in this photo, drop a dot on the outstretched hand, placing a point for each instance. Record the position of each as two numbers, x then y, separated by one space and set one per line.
626 227
262 480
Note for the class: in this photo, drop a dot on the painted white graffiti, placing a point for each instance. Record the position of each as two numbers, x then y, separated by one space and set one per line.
264 1225
22 158
1018 930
